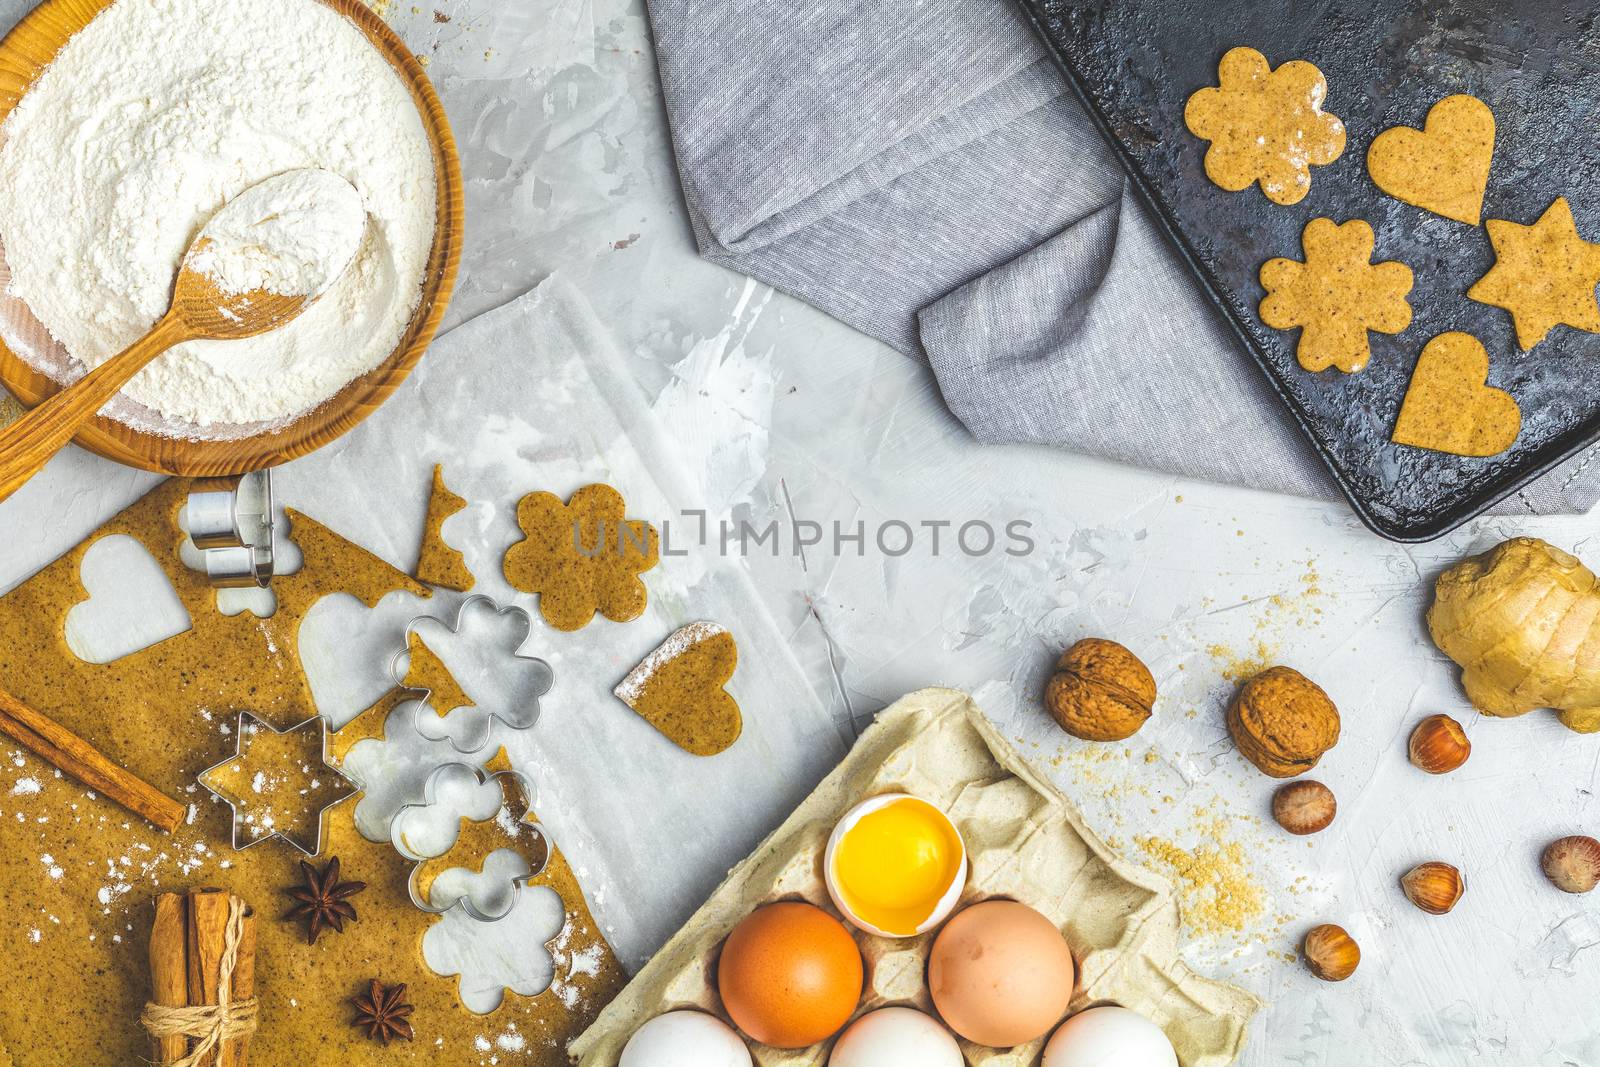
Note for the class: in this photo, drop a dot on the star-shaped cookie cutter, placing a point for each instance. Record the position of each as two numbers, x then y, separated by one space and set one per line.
246 718
516 719
424 864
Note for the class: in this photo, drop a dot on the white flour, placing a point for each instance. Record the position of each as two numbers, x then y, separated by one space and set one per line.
145 123
292 234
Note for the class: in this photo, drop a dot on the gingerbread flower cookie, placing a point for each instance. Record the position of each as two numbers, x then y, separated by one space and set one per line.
1336 295
1265 125
582 556
1450 407
1543 274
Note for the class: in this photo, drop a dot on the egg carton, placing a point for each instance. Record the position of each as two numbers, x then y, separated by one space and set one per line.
1025 841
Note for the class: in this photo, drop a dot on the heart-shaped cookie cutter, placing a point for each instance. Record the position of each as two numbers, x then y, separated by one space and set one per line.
420 894
515 719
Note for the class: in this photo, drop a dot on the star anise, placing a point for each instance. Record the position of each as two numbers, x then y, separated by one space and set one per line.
324 900
383 1011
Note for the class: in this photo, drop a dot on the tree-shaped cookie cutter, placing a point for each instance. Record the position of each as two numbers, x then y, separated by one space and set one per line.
516 719
246 719
427 867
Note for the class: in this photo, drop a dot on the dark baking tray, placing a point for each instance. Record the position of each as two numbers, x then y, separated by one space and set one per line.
1536 63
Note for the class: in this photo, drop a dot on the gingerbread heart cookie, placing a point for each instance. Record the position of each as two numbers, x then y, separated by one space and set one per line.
1449 407
1443 167
1265 126
678 689
1336 295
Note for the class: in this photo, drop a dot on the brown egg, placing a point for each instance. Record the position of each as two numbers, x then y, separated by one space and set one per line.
1001 974
790 975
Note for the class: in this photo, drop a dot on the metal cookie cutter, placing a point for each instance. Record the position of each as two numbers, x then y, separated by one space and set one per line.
238 753
427 867
233 531
517 718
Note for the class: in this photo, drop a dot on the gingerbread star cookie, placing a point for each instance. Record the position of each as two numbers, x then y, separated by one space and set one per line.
1449 407
1544 274
1443 167
1336 295
1265 126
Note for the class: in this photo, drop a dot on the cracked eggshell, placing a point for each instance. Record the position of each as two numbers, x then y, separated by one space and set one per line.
685 1039
945 829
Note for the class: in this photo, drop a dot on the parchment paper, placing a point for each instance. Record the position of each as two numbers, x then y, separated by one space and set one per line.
532 396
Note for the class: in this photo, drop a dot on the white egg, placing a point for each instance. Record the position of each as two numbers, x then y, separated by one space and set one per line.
896 1037
685 1039
1109 1037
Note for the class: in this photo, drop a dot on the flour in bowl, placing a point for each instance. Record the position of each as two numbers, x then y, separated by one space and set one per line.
151 118
292 234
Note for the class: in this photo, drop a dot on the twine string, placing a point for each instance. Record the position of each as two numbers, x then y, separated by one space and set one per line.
216 1023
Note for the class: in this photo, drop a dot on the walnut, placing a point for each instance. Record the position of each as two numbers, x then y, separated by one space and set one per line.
1283 722
1100 691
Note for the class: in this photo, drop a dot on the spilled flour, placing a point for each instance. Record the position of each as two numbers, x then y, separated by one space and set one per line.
112 163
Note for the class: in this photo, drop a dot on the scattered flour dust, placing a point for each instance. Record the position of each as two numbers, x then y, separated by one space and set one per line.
111 164
681 640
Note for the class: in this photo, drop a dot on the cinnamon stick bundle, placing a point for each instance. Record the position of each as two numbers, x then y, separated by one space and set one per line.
191 943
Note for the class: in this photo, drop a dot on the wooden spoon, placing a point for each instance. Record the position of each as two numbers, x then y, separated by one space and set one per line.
202 309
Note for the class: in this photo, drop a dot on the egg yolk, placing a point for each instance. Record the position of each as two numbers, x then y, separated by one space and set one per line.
896 863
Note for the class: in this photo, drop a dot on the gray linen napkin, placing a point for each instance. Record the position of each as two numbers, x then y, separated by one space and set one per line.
920 171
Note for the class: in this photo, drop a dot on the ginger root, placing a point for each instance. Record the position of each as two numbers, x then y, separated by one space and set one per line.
1522 621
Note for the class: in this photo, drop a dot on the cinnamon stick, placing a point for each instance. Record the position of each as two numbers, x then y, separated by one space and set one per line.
76 758
169 969
207 931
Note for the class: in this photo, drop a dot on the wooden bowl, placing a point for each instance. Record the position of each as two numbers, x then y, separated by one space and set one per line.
29 48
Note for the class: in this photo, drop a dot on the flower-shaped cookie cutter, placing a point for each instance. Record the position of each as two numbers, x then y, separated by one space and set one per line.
244 725
427 866
516 718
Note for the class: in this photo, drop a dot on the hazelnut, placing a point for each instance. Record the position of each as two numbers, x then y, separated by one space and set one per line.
1283 722
1439 745
1330 953
1304 807
1434 887
1100 691
1573 863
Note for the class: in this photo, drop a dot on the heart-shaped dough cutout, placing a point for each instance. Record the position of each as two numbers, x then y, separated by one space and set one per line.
1443 167
131 605
1450 408
678 689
